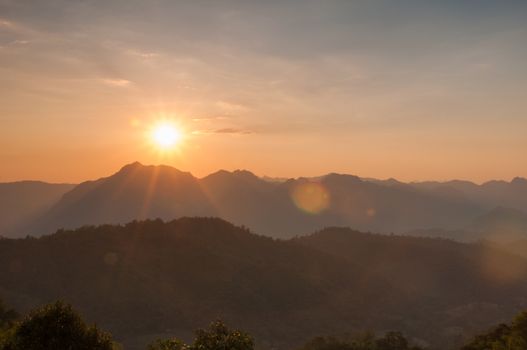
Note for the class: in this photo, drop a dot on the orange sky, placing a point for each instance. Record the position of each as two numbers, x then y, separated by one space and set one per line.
418 92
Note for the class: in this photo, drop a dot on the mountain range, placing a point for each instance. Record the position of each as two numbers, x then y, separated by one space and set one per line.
277 208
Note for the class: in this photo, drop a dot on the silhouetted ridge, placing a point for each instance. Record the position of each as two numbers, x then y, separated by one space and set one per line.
134 192
224 175
130 167
341 178
519 181
278 209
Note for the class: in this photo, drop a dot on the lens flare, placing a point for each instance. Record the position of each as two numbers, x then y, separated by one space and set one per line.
311 197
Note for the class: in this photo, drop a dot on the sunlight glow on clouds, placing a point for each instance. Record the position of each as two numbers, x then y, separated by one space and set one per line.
117 82
371 89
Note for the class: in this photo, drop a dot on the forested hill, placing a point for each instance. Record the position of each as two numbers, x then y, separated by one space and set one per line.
147 279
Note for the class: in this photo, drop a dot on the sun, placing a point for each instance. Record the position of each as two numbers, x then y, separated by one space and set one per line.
166 135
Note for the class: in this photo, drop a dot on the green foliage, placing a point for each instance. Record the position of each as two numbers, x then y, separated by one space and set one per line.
7 316
392 341
7 320
168 344
366 341
219 337
503 337
327 343
56 326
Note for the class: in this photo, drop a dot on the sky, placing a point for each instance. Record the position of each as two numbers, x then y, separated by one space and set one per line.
409 89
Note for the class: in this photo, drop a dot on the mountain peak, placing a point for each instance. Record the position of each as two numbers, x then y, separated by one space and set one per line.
245 174
131 166
137 166
240 174
341 178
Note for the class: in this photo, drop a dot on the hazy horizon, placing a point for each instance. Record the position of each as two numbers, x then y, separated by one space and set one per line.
116 169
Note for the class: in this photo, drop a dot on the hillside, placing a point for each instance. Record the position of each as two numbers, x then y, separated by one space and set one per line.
148 279
502 224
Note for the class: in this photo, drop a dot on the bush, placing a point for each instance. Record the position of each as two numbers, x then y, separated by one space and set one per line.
217 337
56 326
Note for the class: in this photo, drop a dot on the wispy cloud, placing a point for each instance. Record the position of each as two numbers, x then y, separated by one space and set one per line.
234 131
19 42
116 82
209 119
232 107
231 131
143 54
6 23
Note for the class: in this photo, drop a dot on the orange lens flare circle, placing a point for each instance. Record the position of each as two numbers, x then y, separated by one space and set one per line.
311 197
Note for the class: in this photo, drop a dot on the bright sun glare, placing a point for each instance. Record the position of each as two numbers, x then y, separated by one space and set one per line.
166 135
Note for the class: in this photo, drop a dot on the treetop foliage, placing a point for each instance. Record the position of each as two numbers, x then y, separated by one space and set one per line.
55 326
7 316
216 337
366 341
503 336
59 326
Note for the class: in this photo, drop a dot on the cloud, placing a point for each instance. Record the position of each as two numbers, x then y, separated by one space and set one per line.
19 42
117 82
6 23
143 55
209 119
232 107
231 131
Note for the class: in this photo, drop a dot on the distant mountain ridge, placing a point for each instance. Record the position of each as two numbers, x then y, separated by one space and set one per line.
271 208
489 195
277 208
23 201
504 222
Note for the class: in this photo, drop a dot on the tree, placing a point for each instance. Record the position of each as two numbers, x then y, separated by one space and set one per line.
168 344
392 341
327 343
219 337
503 337
7 320
56 326
7 316
361 341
